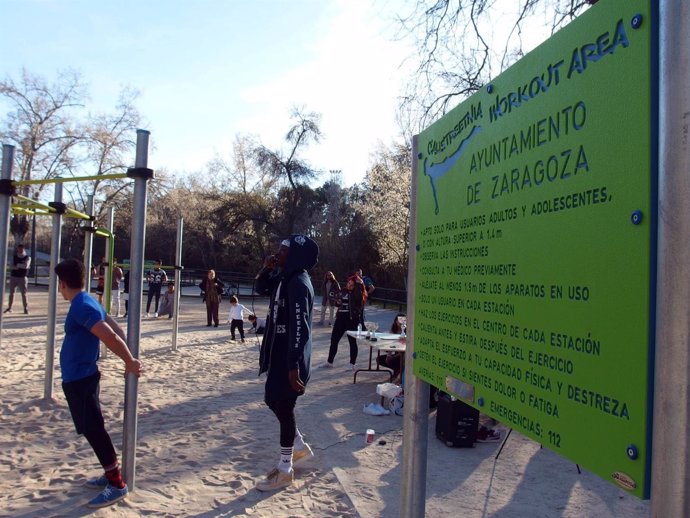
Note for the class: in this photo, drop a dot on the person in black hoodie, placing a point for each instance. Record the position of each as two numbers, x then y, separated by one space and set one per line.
18 277
286 347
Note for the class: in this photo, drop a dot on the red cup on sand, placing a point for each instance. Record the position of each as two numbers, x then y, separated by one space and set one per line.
370 435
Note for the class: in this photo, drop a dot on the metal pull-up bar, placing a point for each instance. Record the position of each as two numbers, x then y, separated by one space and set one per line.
5 200
140 174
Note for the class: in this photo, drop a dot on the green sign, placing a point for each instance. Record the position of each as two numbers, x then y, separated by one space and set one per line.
535 232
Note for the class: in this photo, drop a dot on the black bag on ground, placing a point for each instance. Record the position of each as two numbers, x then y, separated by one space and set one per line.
456 422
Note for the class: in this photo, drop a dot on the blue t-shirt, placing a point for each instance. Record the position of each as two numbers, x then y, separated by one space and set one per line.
80 349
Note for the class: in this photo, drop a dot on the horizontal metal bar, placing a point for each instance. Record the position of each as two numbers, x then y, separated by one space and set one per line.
74 179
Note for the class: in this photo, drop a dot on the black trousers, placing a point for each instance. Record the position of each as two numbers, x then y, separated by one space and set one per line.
154 291
343 323
85 407
285 412
212 313
239 325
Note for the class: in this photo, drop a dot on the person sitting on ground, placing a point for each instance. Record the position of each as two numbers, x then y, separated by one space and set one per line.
237 317
393 359
167 306
258 325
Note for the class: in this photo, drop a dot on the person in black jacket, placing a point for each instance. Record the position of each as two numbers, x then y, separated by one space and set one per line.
350 302
18 277
286 347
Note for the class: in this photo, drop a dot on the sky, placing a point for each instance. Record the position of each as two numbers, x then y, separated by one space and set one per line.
208 70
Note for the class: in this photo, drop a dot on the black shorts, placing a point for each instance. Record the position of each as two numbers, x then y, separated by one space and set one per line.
82 399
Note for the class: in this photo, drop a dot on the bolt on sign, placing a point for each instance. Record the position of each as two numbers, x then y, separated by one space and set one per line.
536 223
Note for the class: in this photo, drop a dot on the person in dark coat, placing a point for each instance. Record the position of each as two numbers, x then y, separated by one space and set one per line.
286 347
212 288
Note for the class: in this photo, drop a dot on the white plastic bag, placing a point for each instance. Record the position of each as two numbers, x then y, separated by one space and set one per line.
388 390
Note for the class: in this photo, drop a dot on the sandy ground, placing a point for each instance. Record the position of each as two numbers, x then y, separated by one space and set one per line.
204 437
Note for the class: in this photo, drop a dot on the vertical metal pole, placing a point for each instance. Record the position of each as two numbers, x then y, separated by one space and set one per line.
416 416
671 448
138 237
88 244
52 295
5 207
110 254
178 279
34 266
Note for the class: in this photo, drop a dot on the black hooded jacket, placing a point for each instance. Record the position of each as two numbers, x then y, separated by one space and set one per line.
286 344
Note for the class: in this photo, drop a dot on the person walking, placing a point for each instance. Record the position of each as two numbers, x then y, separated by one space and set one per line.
19 277
86 324
237 318
329 289
286 348
155 277
350 301
213 288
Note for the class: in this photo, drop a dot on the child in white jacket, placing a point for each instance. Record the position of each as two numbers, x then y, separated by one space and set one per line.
237 317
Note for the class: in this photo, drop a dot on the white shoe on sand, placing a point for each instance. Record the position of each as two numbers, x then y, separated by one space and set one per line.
302 456
276 479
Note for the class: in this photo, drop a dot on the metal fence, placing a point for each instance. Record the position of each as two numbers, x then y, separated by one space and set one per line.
242 285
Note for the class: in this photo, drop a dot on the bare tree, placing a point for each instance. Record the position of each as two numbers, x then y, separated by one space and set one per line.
41 123
462 44
386 206
54 137
239 172
107 147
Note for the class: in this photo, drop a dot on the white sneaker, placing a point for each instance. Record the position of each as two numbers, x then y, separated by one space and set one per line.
372 409
155 315
276 479
381 409
351 367
148 315
326 365
302 456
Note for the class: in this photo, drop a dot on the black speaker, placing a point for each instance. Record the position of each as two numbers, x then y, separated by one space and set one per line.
456 422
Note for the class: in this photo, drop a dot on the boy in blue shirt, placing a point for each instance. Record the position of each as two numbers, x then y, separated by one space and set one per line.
86 325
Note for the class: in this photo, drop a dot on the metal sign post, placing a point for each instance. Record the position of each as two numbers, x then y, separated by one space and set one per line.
416 416
670 463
